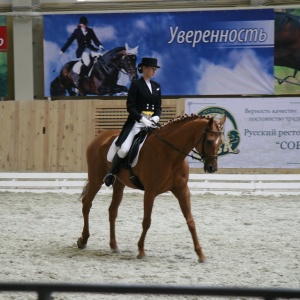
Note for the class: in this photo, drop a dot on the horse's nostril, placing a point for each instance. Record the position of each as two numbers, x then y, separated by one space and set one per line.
211 169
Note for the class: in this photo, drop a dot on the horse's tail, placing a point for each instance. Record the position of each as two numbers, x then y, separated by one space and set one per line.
56 89
84 190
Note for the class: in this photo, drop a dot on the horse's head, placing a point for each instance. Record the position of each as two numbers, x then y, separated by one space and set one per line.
211 142
120 59
129 62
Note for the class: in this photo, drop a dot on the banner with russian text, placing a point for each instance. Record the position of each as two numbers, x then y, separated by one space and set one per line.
259 132
228 52
3 57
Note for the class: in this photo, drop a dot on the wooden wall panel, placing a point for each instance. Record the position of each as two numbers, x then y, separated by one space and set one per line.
8 134
42 136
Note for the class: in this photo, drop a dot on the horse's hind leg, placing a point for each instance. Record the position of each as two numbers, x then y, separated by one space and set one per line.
117 197
92 190
184 197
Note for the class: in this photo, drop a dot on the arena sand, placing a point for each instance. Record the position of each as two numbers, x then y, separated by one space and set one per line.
249 241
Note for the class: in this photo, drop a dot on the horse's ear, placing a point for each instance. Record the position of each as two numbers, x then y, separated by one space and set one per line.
132 51
222 121
210 121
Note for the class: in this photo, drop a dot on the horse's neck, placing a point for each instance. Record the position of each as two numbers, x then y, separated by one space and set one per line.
113 64
114 57
185 136
110 68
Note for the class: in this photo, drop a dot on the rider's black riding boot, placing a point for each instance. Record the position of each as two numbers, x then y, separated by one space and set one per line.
110 178
76 78
84 71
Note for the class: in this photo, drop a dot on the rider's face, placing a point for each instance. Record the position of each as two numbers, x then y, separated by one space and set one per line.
149 72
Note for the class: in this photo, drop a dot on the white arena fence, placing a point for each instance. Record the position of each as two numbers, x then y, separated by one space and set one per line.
266 184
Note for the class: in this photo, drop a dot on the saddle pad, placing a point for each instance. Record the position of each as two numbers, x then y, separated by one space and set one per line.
113 149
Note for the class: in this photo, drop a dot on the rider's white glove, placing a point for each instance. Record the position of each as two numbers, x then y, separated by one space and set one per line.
101 48
61 53
155 119
146 122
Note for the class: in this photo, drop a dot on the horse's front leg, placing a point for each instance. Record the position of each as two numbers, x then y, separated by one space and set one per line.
184 197
117 197
92 190
148 206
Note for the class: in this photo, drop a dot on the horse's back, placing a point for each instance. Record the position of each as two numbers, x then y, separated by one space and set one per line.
98 147
103 139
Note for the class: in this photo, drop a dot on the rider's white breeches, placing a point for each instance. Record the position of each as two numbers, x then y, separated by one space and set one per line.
85 59
125 147
86 56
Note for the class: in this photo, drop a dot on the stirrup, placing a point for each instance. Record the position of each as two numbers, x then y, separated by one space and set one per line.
109 179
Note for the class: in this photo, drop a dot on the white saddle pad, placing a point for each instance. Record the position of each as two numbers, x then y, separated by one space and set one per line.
113 149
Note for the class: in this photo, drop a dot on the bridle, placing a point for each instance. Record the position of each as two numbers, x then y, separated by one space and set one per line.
129 69
200 156
203 155
120 69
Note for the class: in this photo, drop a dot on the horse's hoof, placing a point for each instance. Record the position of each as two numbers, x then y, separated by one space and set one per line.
141 256
202 260
116 250
80 244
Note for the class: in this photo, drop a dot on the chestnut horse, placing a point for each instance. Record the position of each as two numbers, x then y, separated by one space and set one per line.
161 167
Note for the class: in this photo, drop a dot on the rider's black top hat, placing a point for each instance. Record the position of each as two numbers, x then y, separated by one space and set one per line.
83 20
149 62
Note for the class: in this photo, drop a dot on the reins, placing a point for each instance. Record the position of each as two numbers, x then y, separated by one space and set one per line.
202 139
121 69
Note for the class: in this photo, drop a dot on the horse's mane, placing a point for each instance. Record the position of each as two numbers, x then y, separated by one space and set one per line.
180 120
115 50
282 18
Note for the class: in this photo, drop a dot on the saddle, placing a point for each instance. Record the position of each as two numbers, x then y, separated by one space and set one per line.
134 149
103 64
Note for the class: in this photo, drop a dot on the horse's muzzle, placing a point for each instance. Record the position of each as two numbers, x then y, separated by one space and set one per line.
132 73
210 167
